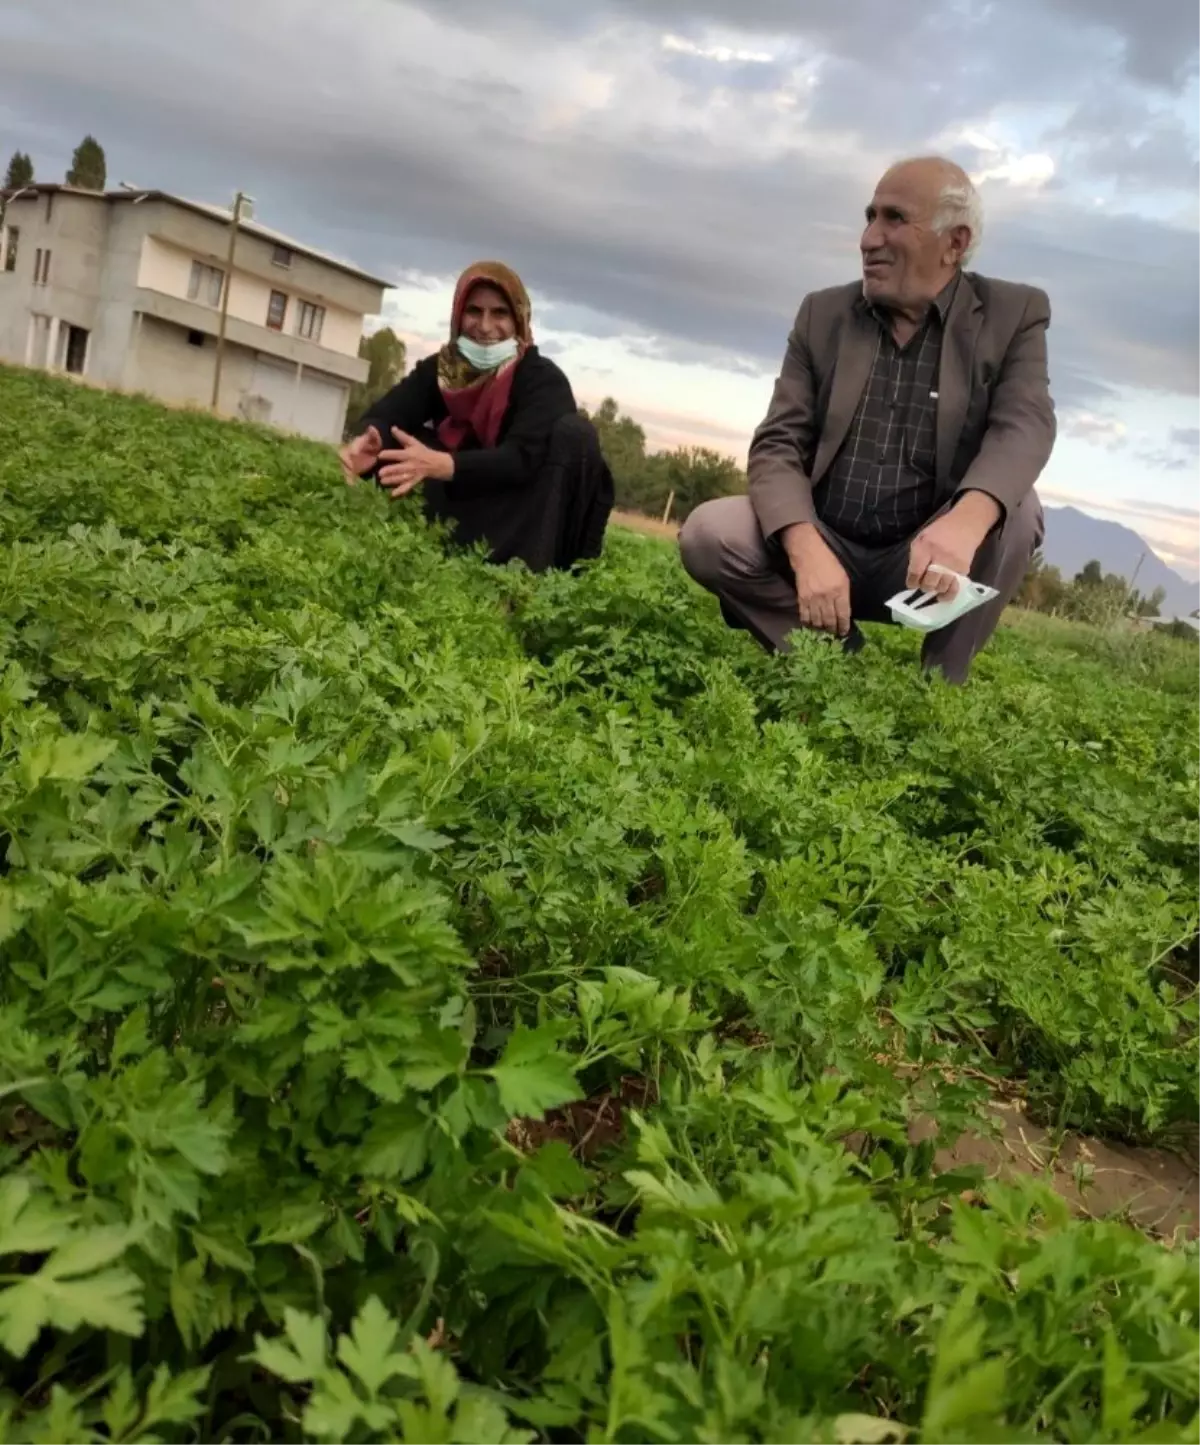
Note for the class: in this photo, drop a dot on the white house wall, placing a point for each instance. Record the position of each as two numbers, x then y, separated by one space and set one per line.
121 269
164 364
110 360
168 268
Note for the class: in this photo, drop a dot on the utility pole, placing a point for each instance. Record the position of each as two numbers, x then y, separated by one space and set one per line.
1132 593
240 202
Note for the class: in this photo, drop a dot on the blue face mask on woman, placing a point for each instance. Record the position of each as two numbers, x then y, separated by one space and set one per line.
487 358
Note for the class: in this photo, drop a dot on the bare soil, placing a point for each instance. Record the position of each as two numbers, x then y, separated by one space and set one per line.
1154 1189
650 526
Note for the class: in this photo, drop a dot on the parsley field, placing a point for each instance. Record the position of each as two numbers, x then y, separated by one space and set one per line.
442 1004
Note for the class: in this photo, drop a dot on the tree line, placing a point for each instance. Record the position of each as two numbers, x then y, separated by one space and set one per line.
1092 595
88 169
646 481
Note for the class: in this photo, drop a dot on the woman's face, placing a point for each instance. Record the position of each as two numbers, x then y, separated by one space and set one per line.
487 316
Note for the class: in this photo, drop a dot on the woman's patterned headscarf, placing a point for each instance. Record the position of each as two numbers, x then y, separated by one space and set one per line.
477 400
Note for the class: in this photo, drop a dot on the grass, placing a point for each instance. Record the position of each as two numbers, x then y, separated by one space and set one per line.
443 1003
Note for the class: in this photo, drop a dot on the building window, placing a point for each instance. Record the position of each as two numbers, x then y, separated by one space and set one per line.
8 246
41 266
205 284
195 338
276 310
312 318
75 350
281 256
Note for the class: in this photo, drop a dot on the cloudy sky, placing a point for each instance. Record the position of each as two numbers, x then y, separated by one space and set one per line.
670 178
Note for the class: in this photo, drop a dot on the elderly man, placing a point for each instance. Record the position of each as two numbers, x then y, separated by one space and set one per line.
909 423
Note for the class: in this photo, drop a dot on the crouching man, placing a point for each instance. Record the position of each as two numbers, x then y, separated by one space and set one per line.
907 428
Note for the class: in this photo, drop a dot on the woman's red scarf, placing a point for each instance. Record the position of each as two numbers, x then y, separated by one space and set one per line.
477 400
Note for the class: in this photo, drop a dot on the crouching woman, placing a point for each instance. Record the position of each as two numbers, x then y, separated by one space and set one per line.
490 430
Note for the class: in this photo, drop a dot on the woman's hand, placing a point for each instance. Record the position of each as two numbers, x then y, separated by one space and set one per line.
360 454
409 464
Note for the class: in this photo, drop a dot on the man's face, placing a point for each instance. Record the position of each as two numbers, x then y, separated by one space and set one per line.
905 262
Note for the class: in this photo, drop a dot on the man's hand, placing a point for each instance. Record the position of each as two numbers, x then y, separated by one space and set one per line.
822 586
360 455
410 463
951 541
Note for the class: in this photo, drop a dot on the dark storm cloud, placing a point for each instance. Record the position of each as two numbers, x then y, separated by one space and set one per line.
700 254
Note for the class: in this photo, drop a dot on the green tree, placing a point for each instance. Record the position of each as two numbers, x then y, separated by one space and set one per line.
385 355
1101 600
19 173
623 443
644 482
1180 629
88 167
1150 606
698 474
1094 596
1043 589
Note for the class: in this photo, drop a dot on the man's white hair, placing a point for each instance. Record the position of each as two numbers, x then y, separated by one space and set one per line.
959 205
958 201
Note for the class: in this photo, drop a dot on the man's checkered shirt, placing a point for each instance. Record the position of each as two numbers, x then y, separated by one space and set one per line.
881 486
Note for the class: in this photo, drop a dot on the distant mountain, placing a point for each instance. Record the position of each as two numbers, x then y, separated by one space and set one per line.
1073 539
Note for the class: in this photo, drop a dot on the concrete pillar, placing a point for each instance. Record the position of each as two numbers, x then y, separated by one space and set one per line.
129 360
52 344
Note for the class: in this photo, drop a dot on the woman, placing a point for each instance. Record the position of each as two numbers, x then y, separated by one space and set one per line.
490 428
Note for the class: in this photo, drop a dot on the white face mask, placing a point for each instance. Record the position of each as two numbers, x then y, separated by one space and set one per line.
487 358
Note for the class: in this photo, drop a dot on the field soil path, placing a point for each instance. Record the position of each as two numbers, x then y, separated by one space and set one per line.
1152 1188
649 526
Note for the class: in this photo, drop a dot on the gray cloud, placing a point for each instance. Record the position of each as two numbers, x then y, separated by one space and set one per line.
1186 437
701 254
1161 511
706 73
1162 461
1156 41
1022 49
1160 39
1126 138
1105 431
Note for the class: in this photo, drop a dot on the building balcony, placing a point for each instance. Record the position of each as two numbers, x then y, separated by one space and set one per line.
206 319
